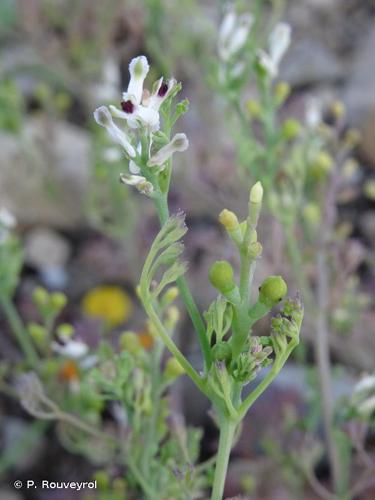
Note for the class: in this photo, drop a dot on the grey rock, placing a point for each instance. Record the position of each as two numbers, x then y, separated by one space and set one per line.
44 173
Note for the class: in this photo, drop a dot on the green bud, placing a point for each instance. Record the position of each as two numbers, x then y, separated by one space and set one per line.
312 214
222 352
254 108
129 341
290 129
58 301
321 166
38 333
65 330
256 193
40 296
221 276
254 250
272 290
229 220
282 91
170 295
172 317
173 369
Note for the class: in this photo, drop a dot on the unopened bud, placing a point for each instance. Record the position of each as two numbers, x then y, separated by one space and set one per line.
40 296
352 138
254 250
321 166
254 108
312 214
173 315
291 129
58 301
129 341
173 369
170 295
229 220
38 333
256 193
65 330
282 92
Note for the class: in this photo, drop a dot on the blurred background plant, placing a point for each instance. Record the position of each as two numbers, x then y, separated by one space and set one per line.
76 222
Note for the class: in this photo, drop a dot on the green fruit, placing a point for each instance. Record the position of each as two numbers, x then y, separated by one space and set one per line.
221 276
272 290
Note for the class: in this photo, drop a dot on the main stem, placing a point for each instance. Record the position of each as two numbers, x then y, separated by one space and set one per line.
19 331
163 213
227 430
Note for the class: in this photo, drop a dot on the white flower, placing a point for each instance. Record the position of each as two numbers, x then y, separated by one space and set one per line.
278 43
178 143
233 33
138 107
103 117
139 182
71 348
7 223
365 384
313 113
367 406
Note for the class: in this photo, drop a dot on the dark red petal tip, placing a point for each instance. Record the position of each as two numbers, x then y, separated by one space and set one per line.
127 106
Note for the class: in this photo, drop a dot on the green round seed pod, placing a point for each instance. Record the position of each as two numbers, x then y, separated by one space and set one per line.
222 352
221 276
272 290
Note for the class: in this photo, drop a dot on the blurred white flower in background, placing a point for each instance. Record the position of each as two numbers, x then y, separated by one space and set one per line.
233 33
278 43
7 223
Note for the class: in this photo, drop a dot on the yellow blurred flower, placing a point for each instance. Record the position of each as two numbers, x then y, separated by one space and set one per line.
108 302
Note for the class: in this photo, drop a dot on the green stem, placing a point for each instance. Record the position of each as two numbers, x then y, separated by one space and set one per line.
19 330
171 346
227 430
161 204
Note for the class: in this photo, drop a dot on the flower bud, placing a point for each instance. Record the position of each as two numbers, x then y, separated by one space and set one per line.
254 250
256 193
221 276
173 315
222 352
282 92
38 333
272 290
65 330
254 108
129 342
312 214
170 295
173 369
321 166
290 129
58 301
338 109
229 220
352 138
40 296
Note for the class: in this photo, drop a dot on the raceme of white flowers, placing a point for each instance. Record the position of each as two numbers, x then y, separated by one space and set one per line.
278 44
233 33
140 109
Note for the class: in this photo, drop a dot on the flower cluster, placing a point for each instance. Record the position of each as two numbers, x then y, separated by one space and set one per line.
145 145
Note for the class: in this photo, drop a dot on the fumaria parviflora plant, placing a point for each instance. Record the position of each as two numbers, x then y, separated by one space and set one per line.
232 354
